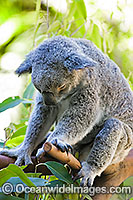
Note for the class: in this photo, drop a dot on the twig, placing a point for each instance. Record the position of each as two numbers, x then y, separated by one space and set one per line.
47 18
38 5
77 29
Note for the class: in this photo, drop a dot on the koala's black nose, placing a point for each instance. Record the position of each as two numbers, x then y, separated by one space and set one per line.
49 98
49 102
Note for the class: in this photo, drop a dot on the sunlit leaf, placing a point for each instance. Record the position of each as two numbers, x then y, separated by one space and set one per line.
10 103
15 141
94 36
81 9
20 131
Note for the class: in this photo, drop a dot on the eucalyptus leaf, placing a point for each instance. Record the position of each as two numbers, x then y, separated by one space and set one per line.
10 103
15 141
59 171
14 171
29 91
19 132
39 182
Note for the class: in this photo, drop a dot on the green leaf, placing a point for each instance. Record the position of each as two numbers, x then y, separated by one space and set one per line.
19 132
10 103
15 141
60 197
35 181
34 175
77 13
17 126
59 171
27 101
7 197
95 36
77 9
131 85
29 91
81 9
14 171
128 181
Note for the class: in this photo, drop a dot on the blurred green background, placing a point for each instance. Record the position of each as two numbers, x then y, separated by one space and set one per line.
25 24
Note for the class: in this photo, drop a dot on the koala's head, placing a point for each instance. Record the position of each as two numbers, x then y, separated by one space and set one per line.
57 68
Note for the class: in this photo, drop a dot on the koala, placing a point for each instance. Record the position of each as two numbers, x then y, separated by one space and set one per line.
82 91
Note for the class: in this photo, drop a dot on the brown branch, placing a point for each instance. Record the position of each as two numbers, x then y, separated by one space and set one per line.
114 175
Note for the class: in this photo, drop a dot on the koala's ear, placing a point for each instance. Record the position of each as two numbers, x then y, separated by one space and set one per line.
26 66
77 61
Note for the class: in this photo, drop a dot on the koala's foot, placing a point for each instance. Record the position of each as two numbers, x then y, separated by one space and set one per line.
58 143
20 152
61 145
87 174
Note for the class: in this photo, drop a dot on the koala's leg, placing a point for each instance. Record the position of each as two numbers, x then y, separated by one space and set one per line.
40 122
114 138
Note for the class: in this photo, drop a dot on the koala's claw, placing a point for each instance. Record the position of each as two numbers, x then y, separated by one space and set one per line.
61 145
23 159
40 153
86 182
86 174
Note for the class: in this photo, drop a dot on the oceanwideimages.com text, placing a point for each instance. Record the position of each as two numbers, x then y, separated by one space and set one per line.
8 188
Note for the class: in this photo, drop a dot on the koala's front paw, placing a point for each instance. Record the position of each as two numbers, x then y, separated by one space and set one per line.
87 174
61 145
20 153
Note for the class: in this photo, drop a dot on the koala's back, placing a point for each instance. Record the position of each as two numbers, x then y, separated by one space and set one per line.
116 95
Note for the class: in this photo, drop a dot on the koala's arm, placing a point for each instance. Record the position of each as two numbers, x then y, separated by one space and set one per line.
40 122
76 121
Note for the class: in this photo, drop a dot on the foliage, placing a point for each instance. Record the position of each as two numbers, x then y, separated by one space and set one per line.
14 175
28 24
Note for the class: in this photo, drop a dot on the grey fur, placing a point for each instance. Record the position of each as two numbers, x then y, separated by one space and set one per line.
94 112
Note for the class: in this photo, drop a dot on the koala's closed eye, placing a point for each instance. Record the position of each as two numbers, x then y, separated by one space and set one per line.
62 87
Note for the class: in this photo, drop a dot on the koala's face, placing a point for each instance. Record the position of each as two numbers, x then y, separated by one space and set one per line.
57 67
54 83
